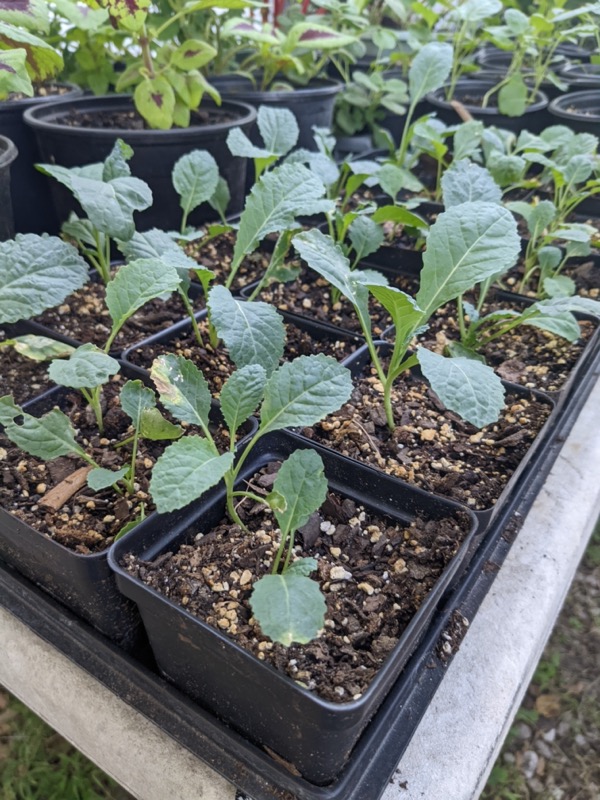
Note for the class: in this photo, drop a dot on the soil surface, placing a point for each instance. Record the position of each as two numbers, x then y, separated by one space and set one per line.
132 121
88 521
311 296
216 366
526 355
84 317
217 255
431 447
22 377
374 572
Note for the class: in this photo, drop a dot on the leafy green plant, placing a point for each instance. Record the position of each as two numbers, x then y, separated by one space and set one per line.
166 75
280 59
25 57
533 41
109 195
467 244
279 132
299 392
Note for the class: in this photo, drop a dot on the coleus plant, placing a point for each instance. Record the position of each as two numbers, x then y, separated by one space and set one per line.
25 57
168 84
281 58
468 244
299 392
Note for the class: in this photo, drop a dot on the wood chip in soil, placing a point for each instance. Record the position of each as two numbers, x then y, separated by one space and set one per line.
528 356
84 317
216 366
89 521
374 572
431 447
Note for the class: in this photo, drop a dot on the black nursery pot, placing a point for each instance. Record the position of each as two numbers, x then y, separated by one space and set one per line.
313 734
581 76
470 92
579 111
31 200
311 105
84 583
155 151
8 153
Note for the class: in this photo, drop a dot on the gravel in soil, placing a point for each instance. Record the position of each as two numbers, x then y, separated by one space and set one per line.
311 296
431 447
21 376
84 317
216 365
585 273
88 521
528 356
217 254
374 572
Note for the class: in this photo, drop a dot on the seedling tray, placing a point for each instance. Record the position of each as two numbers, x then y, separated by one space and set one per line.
253 771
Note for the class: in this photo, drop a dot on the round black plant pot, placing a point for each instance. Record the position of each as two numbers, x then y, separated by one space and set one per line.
62 142
31 200
470 93
8 153
581 76
311 105
580 111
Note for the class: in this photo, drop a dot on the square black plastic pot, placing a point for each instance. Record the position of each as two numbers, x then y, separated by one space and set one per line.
83 583
267 707
516 485
317 331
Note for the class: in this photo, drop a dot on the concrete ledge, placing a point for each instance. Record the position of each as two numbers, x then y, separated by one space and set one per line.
461 733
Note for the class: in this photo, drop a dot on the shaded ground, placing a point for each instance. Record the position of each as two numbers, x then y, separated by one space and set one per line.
553 750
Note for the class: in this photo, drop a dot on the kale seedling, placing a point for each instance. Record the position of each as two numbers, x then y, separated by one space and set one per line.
109 195
300 392
467 244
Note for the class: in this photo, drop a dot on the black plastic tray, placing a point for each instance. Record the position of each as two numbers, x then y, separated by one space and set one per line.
251 770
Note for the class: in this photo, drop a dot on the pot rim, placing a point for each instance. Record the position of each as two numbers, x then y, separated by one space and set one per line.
48 118
559 106
6 106
436 99
8 151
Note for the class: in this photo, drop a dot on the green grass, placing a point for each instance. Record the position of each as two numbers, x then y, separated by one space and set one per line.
37 764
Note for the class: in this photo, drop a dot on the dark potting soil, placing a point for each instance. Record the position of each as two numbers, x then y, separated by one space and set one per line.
21 376
374 574
217 255
430 446
586 275
84 317
216 366
88 521
310 296
526 355
132 121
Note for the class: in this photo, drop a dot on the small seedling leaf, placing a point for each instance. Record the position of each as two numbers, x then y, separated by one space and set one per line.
303 391
137 283
289 607
195 178
187 469
100 478
182 388
465 386
302 483
36 273
46 437
241 395
135 399
466 182
87 367
253 332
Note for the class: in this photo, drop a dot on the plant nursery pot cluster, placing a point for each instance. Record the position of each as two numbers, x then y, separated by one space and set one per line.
412 492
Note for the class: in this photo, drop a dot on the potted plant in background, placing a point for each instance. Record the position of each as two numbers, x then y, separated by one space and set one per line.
167 116
29 67
8 153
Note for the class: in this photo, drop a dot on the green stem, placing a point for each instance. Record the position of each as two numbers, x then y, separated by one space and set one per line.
251 496
190 311
280 550
461 320
130 480
93 398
